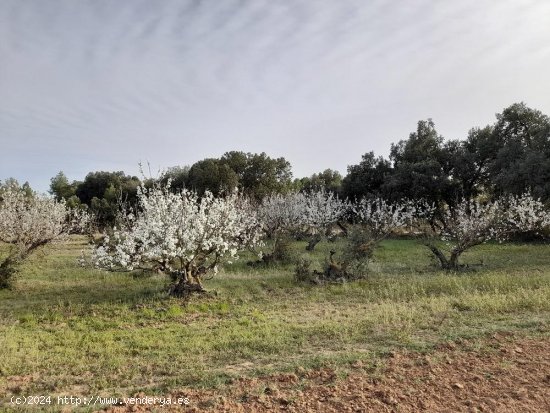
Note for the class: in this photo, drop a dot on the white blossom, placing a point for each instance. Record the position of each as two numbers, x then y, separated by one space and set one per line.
382 217
322 208
472 222
181 233
28 221
279 212
288 212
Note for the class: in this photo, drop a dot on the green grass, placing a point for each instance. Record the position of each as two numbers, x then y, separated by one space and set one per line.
83 331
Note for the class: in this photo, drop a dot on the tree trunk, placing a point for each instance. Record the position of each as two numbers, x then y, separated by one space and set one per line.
439 255
453 260
342 227
449 264
183 287
313 242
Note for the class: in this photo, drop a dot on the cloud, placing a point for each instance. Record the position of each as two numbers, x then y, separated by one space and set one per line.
102 84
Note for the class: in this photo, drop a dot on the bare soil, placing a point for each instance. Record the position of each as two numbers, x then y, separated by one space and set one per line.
500 374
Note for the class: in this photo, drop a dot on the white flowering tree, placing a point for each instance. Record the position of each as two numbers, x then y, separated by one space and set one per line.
378 218
310 212
180 234
280 215
374 220
320 210
28 222
473 223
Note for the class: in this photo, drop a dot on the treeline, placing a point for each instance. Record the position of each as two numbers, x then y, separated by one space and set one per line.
511 156
256 175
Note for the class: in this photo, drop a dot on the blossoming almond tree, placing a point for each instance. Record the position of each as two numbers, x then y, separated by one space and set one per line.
473 223
180 234
29 221
321 209
280 213
378 218
312 211
375 219
382 216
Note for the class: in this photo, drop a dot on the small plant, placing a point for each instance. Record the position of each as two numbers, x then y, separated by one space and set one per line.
279 216
376 219
360 244
281 250
336 270
281 253
303 272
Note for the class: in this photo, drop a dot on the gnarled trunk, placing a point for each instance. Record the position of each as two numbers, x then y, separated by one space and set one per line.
342 227
313 242
185 284
449 264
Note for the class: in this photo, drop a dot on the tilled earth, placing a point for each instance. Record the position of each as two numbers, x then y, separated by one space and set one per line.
500 374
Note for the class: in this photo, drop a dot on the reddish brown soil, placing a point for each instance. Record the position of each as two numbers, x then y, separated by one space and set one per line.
504 374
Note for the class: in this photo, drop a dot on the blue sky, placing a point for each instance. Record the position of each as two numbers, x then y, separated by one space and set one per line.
103 85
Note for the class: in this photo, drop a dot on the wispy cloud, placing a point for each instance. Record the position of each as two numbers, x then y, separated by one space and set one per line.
95 84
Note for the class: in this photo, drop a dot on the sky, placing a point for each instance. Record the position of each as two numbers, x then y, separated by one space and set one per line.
104 85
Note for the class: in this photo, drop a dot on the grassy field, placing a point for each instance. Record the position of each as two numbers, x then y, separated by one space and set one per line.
79 331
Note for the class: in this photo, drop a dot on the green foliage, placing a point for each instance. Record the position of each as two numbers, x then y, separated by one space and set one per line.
366 178
8 269
328 180
103 192
281 253
359 250
61 188
420 168
108 185
178 176
124 327
303 272
522 161
512 156
468 162
258 174
212 175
